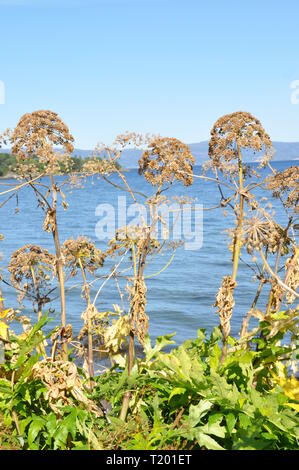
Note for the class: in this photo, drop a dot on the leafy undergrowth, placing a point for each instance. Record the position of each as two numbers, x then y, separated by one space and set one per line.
182 399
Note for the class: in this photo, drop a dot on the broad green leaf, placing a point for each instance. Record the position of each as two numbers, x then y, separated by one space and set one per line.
230 422
35 427
24 423
27 396
5 387
214 357
196 412
51 424
214 429
176 391
207 441
66 426
244 421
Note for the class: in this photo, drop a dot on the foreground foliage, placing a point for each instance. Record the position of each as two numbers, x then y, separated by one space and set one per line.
181 399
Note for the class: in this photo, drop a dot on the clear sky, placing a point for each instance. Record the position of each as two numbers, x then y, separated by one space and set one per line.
163 66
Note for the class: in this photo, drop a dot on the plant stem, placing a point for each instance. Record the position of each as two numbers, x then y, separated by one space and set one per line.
59 263
89 322
1 301
237 244
246 320
237 240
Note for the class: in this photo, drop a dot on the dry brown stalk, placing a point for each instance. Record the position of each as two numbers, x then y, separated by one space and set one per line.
229 135
33 142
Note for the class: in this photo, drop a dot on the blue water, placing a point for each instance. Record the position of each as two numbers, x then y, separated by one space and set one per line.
181 298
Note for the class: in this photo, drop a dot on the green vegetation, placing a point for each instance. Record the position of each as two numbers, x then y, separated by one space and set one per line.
9 165
184 399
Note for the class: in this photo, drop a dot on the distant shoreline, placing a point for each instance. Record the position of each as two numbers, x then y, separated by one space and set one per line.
11 176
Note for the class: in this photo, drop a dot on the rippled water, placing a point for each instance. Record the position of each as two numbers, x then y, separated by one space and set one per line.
180 299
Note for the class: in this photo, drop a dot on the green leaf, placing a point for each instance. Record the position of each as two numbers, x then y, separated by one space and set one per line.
214 429
161 343
27 396
197 412
66 426
5 387
230 422
207 441
35 427
176 391
24 423
214 357
244 421
51 424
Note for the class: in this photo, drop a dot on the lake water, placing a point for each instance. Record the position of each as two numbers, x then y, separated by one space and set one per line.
180 299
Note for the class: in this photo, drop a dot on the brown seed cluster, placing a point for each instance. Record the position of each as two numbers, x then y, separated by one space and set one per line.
262 231
286 183
166 160
293 279
138 316
276 294
84 251
32 268
233 130
33 142
225 303
130 235
63 385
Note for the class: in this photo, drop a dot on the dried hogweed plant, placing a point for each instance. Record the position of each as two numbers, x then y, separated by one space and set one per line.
284 186
231 135
63 384
34 144
81 254
163 161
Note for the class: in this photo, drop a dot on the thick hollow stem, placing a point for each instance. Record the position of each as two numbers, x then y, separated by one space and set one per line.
237 240
270 298
138 273
1 301
246 320
237 244
89 322
59 263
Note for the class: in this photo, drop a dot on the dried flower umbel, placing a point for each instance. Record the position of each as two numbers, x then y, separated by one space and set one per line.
166 160
132 235
236 131
286 183
261 230
32 269
63 384
82 252
33 142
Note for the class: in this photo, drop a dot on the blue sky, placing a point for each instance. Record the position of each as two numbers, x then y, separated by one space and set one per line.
163 66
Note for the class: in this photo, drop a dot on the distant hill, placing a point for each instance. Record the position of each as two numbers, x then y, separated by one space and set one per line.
283 151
